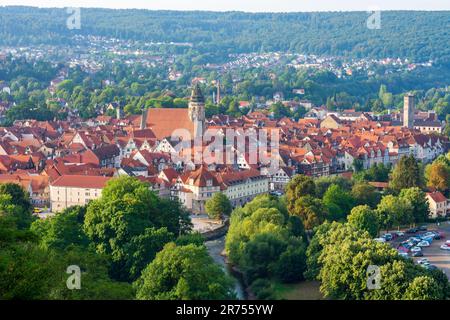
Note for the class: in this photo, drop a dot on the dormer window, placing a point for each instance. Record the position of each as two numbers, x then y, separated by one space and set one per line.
209 183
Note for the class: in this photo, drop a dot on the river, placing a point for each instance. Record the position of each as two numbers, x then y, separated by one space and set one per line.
215 248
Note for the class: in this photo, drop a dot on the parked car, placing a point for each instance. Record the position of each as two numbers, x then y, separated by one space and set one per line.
431 267
276 193
447 242
445 247
427 236
400 233
406 245
422 261
403 254
414 240
437 235
422 228
416 249
423 244
387 237
417 254
381 240
412 230
428 239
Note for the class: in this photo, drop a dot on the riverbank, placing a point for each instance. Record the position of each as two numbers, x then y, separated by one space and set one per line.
249 295
215 248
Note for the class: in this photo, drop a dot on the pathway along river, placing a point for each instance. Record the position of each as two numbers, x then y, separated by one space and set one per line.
215 248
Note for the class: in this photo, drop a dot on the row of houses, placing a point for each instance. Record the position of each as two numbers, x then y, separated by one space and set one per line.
65 163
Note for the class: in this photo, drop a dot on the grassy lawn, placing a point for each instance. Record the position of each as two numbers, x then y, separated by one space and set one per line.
306 290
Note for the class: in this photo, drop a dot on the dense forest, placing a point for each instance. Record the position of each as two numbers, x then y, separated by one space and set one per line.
417 35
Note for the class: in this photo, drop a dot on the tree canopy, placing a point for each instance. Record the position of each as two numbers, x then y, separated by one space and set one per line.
264 242
218 206
406 174
15 202
365 219
128 215
183 273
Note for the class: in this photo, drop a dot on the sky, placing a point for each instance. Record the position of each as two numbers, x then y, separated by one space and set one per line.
244 5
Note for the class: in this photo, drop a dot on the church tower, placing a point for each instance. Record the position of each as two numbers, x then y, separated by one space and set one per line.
197 111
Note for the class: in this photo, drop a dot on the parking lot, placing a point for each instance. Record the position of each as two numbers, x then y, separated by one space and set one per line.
436 256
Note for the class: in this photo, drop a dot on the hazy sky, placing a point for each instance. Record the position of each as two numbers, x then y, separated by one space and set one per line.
245 5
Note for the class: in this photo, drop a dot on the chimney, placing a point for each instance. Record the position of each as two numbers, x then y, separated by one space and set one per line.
408 111
144 119
218 92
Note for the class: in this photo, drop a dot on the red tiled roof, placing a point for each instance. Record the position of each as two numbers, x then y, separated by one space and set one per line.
78 181
437 196
164 121
200 177
379 184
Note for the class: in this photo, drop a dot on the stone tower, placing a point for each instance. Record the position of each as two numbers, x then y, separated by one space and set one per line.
408 110
197 111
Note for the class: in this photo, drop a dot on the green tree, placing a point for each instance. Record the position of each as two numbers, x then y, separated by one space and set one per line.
95 281
310 210
423 288
419 203
365 194
29 271
183 273
338 202
344 260
394 211
406 174
344 266
299 186
262 239
126 210
395 276
190 238
323 183
15 202
291 265
62 230
218 206
438 176
364 218
143 248
314 249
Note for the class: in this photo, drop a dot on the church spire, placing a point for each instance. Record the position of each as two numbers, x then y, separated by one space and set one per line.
196 94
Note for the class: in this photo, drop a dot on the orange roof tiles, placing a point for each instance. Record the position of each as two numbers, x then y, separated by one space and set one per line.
79 181
164 121
437 196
